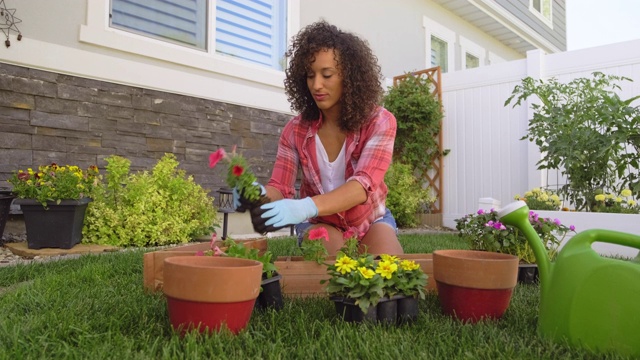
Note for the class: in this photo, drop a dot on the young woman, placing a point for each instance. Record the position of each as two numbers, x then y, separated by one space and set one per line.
342 141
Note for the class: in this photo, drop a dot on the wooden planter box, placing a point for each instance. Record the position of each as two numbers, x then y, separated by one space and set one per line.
301 278
153 262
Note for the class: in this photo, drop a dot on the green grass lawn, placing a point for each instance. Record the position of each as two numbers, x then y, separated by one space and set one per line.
94 307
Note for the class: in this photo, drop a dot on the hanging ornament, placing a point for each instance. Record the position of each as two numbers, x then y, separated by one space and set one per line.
8 22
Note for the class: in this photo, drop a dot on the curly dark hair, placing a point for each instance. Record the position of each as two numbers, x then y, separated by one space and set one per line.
362 89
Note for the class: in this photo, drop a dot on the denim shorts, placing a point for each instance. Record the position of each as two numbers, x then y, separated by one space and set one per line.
387 218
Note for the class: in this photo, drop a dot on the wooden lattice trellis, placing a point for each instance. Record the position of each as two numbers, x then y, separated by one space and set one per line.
433 178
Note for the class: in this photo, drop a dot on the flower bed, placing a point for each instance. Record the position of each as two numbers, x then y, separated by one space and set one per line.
628 223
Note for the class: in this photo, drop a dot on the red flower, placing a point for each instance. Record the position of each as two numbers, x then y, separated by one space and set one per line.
319 233
23 176
348 234
215 157
237 170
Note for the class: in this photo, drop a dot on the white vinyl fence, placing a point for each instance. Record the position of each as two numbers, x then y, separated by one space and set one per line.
487 158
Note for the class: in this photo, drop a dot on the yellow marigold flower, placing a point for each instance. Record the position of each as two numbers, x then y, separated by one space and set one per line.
600 197
517 197
409 265
631 203
30 171
626 193
528 193
618 199
345 264
544 197
366 273
386 269
555 197
610 196
389 258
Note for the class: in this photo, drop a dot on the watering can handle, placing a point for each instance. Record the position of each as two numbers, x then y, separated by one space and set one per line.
607 236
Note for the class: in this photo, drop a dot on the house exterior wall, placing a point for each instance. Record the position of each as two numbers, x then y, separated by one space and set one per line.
557 34
49 117
406 49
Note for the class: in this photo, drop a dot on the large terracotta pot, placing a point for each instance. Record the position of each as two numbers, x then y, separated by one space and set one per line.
209 292
473 285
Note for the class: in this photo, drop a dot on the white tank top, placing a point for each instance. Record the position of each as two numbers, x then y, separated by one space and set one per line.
331 173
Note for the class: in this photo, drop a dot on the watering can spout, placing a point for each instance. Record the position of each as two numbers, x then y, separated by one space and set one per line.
517 214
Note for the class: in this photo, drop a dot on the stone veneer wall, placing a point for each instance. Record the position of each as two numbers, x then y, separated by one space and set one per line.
47 117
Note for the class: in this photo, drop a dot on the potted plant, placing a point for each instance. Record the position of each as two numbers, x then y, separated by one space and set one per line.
239 176
484 232
53 200
583 128
270 294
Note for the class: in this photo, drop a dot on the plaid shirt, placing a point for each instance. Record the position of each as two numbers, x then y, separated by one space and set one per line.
368 156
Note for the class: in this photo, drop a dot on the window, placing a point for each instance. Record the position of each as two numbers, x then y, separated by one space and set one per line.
439 45
472 54
542 9
439 53
471 61
250 30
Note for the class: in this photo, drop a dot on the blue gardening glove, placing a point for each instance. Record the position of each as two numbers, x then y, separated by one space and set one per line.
240 203
278 214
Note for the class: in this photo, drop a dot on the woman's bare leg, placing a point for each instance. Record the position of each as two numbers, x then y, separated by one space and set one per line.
381 239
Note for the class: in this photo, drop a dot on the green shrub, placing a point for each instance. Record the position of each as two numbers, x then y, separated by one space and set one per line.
418 113
406 195
161 207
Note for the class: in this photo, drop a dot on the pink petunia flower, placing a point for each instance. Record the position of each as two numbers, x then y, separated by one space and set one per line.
319 233
200 253
214 238
218 252
215 157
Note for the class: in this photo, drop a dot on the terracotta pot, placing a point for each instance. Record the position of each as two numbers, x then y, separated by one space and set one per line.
473 285
153 262
209 292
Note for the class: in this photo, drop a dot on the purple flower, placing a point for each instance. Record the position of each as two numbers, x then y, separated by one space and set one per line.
480 212
557 222
489 223
572 228
498 225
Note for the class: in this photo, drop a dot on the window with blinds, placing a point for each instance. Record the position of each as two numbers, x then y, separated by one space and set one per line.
178 21
251 30
439 54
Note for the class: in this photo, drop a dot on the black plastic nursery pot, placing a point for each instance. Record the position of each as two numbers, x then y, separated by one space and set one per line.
398 309
528 274
271 295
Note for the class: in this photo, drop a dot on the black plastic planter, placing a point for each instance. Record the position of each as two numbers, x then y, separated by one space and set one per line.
407 309
58 226
271 295
388 310
6 198
528 274
357 315
341 309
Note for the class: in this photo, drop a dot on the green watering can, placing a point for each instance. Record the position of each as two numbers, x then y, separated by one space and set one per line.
587 299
